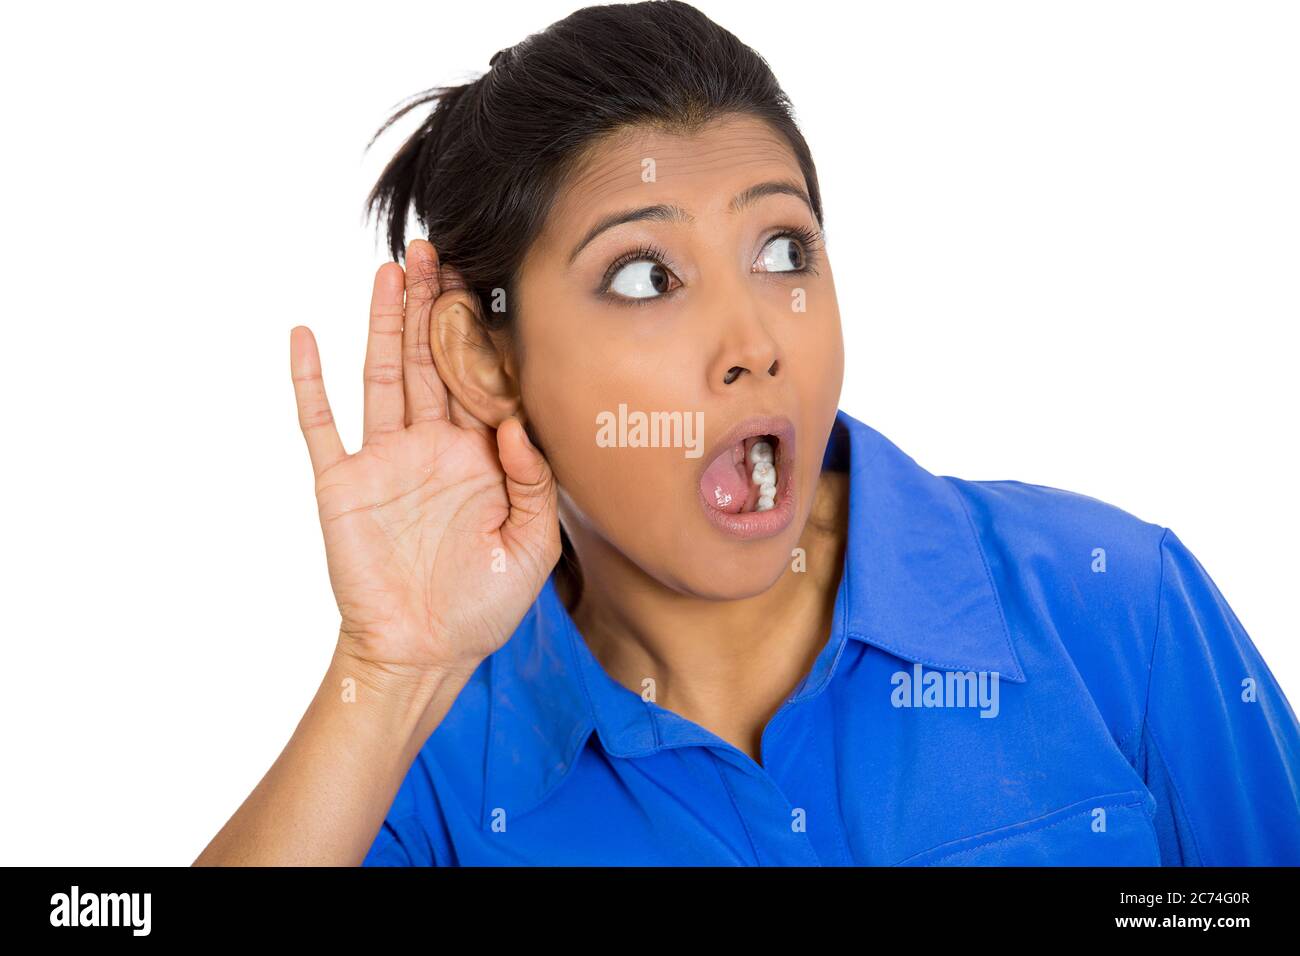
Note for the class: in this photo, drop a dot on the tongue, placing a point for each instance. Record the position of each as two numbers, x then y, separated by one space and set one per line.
724 483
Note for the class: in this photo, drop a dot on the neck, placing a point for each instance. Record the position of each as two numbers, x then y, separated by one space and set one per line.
726 665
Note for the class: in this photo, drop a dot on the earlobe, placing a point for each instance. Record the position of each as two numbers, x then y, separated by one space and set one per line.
471 364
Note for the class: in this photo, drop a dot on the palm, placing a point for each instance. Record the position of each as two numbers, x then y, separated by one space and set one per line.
435 549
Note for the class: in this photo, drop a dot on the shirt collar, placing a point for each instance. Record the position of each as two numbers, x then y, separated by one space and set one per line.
915 584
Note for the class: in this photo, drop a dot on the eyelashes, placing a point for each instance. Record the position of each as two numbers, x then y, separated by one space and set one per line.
641 253
810 239
812 242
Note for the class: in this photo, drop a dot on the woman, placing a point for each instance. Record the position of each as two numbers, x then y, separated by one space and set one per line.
619 582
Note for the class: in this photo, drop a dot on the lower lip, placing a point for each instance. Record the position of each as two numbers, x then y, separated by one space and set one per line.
756 524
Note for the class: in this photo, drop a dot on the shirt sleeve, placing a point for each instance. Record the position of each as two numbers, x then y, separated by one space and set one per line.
1220 745
394 847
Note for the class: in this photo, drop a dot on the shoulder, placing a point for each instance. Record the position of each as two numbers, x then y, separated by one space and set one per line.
1048 534
1078 573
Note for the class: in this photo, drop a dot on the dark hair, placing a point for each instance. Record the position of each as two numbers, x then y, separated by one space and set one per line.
484 168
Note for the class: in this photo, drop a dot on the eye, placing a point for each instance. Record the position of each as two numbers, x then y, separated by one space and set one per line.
639 277
641 280
784 254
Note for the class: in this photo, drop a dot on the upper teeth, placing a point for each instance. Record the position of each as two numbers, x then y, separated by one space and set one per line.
763 475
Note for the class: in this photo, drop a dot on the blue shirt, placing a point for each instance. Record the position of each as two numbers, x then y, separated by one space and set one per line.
1015 675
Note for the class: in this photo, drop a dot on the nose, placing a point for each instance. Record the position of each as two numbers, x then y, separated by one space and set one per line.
747 348
743 346
736 371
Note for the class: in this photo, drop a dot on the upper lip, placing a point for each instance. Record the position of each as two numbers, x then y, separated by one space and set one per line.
779 426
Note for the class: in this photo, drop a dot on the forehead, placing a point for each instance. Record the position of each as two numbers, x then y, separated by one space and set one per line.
699 171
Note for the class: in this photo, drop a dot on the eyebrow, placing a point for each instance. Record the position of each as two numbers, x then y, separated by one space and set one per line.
663 212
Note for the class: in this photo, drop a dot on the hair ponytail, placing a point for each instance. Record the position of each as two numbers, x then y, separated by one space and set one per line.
408 173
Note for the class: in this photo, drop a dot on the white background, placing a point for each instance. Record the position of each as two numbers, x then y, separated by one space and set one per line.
1065 244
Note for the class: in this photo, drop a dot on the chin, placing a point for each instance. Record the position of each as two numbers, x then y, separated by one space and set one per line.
733 573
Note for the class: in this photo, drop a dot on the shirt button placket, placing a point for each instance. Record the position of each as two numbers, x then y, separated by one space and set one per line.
776 829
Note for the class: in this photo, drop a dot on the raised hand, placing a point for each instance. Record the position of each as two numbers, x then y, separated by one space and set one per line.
440 531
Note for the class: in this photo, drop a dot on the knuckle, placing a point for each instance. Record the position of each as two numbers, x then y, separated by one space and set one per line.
385 310
420 355
319 417
383 374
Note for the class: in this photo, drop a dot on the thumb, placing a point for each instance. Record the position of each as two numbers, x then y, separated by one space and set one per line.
529 481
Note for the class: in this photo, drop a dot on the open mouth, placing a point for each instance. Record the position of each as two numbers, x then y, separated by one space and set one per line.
750 474
744 477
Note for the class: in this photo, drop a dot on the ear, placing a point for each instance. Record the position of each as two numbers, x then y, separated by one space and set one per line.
475 365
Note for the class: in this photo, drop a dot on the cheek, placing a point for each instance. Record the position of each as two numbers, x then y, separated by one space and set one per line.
572 394
815 350
636 498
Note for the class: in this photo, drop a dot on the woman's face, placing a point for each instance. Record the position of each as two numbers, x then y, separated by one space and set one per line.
731 317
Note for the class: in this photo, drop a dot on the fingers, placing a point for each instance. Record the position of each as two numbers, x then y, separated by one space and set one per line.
529 481
314 416
426 396
385 404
